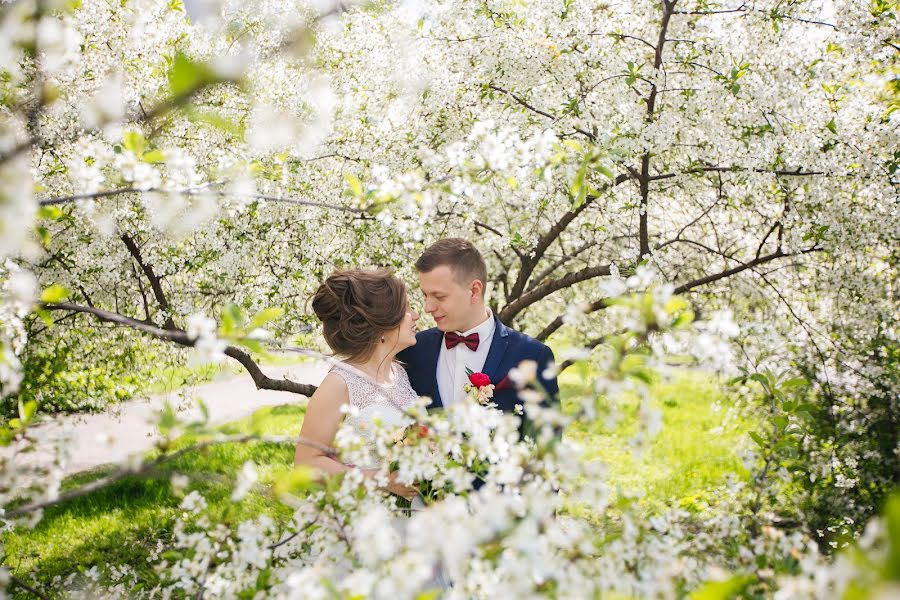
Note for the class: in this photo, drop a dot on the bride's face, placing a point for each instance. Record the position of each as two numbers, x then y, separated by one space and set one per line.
405 334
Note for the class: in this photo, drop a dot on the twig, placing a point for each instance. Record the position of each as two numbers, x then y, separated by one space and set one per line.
196 192
21 583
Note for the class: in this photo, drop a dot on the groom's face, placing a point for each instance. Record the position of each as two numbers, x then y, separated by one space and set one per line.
449 303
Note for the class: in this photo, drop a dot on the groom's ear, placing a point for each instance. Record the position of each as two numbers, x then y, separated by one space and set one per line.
477 289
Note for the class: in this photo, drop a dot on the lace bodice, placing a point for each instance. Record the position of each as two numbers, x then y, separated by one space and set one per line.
373 404
365 391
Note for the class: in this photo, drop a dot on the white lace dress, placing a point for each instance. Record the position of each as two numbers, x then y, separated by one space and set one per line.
375 404
381 405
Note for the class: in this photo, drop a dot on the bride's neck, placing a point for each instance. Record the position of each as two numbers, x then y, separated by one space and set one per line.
377 366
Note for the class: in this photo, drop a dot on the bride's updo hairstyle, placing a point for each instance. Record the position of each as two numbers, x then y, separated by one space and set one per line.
357 307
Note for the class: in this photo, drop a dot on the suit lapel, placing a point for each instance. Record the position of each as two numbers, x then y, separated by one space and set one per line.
434 346
498 347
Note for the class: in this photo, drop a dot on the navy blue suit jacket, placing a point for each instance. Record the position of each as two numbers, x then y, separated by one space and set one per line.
508 349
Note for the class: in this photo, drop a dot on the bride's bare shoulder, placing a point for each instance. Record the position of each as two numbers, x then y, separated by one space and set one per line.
332 389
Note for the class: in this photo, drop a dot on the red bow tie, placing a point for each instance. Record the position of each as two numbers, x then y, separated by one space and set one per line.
451 339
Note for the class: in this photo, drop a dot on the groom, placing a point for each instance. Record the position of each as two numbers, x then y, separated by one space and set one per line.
452 276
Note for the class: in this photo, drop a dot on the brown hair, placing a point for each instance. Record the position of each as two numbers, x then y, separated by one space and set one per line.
460 255
357 307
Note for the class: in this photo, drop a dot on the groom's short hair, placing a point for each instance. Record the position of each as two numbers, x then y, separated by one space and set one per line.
460 255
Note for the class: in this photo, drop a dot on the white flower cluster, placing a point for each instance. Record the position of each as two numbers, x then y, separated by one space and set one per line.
207 344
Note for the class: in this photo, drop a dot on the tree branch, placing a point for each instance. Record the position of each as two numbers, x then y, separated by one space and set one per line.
762 244
558 321
798 172
24 585
558 263
644 180
742 267
151 276
512 309
263 381
530 262
589 346
177 336
543 113
181 337
632 37
140 283
196 192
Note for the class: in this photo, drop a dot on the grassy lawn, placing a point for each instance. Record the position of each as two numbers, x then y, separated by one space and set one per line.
121 524
693 454
170 379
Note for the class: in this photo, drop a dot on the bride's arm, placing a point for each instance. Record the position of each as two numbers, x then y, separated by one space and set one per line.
320 424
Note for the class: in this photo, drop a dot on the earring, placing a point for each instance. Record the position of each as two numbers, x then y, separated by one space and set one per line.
382 339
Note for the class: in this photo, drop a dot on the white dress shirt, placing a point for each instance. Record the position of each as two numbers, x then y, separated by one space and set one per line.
452 364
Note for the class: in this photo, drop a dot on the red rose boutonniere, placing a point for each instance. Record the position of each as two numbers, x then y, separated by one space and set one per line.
479 387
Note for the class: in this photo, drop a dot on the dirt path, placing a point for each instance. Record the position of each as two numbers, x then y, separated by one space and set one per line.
130 428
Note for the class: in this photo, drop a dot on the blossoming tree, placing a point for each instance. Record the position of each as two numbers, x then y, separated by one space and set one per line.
190 182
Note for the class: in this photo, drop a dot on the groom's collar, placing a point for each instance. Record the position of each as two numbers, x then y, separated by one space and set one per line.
501 329
485 329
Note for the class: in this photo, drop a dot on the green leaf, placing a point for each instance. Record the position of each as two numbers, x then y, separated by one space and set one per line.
232 318
253 344
891 570
605 171
760 440
780 422
217 121
53 294
723 590
167 419
26 411
6 436
52 213
675 304
762 380
796 382
264 316
135 142
355 185
45 236
185 76
807 408
684 318
294 482
578 189
154 156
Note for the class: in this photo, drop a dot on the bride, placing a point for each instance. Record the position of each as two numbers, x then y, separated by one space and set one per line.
366 320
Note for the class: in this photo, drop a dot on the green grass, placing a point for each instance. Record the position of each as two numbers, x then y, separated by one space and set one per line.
170 379
121 524
694 454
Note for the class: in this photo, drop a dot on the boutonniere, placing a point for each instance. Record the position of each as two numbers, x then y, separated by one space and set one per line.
479 387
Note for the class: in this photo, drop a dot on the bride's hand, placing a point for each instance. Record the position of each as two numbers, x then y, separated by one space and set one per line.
394 486
400 489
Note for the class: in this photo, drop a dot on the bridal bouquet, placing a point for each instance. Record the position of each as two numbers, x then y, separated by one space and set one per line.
456 451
